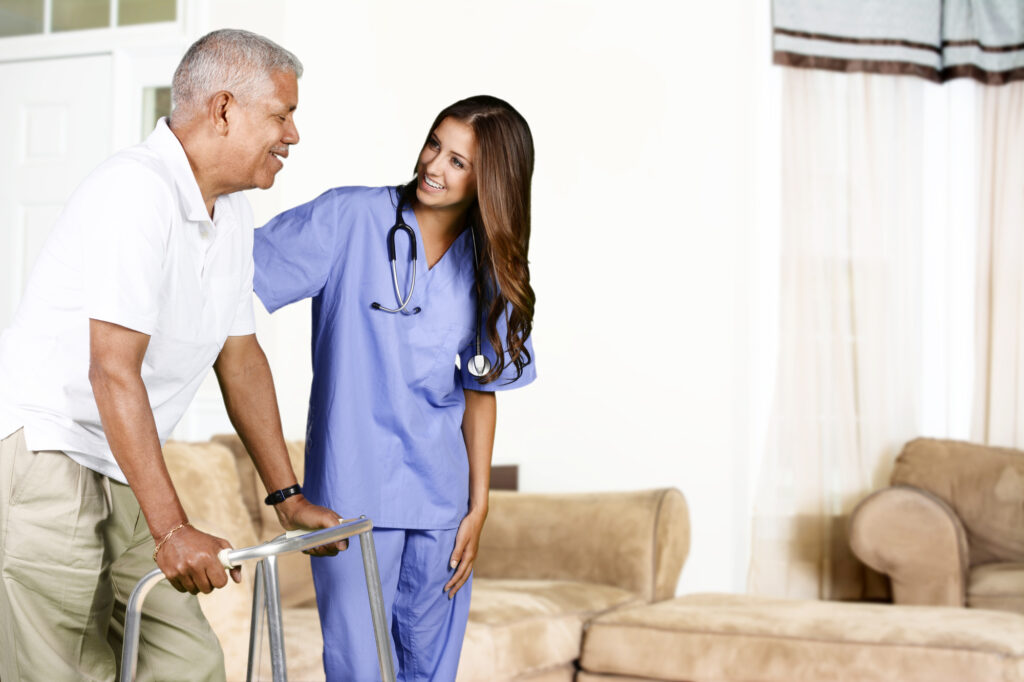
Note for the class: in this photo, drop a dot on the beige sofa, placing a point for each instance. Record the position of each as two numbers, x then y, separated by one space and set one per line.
950 529
742 638
949 533
548 565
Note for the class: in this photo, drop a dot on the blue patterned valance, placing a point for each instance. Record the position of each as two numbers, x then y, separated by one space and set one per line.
935 39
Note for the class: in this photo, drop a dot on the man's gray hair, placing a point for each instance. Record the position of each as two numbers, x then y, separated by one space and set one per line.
240 62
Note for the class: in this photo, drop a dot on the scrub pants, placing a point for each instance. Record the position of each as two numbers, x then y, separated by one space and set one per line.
73 543
426 627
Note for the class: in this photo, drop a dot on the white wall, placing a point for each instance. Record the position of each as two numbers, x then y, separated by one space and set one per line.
646 122
652 222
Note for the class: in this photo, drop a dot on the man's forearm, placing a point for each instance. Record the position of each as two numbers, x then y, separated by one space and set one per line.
249 396
131 433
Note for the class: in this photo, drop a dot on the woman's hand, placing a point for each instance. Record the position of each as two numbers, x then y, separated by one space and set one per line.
467 542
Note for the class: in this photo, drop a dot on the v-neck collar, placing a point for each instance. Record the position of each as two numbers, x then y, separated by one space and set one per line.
448 264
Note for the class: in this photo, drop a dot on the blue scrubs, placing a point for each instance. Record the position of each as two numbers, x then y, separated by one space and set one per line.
384 434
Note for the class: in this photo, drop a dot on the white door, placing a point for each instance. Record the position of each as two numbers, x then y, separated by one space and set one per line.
57 113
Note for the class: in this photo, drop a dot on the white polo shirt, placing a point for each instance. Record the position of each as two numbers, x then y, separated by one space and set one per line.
134 246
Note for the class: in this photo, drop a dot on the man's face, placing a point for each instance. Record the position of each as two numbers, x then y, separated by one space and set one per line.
262 130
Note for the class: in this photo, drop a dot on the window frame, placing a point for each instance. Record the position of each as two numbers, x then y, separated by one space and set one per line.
60 44
112 20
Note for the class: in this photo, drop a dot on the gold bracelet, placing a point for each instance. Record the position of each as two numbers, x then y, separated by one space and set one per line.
167 537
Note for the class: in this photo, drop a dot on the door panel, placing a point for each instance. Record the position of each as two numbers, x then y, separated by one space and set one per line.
59 111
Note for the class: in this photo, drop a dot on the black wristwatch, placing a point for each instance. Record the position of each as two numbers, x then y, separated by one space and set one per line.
279 496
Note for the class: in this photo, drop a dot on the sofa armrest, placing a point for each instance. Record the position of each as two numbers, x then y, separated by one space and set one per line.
917 540
637 541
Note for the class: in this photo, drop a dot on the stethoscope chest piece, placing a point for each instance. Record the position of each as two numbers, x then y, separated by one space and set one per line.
478 365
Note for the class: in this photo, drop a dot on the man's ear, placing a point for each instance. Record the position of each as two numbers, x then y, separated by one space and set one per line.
220 103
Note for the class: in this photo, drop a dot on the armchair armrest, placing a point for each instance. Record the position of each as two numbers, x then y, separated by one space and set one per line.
637 541
917 540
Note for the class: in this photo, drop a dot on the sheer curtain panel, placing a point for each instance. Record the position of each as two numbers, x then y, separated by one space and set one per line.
999 330
848 383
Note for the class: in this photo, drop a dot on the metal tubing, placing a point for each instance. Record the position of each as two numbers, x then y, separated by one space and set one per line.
377 612
281 545
284 544
275 624
255 624
133 618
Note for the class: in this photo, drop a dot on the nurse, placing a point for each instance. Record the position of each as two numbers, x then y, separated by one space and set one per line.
399 428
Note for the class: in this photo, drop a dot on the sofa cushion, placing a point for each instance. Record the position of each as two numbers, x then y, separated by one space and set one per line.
983 484
295 574
519 627
263 517
737 637
644 539
206 480
561 673
998 586
303 649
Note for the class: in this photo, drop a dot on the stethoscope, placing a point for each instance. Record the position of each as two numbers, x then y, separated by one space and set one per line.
478 365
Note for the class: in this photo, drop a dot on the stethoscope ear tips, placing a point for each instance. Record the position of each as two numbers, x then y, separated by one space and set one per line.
478 365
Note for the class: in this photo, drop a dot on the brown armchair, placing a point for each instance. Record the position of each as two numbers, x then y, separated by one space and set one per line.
950 529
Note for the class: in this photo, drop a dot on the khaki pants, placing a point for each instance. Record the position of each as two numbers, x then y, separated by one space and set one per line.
73 543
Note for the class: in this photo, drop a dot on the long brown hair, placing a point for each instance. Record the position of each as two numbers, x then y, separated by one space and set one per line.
500 217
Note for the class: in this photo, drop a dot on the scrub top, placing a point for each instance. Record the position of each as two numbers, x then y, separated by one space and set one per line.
384 431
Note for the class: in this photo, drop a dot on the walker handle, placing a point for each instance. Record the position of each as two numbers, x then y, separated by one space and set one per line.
225 559
300 540
225 555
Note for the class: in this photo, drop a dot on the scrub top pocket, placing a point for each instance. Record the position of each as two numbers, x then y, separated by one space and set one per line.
434 349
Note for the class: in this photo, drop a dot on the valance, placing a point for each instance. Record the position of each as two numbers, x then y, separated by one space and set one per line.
934 39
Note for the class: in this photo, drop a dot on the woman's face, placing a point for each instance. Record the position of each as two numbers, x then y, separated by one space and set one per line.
445 174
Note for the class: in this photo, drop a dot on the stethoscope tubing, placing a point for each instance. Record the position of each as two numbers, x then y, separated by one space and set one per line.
478 365
393 258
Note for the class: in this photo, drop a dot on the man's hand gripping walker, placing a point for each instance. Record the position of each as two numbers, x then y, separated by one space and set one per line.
266 597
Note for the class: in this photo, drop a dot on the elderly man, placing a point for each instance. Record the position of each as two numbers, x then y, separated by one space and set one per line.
144 284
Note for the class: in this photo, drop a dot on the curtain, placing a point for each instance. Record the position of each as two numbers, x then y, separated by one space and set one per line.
849 373
901 293
934 39
999 330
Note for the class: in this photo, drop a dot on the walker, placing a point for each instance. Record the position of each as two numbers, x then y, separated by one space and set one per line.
266 596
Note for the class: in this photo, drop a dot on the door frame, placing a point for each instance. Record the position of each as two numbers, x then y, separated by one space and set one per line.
142 56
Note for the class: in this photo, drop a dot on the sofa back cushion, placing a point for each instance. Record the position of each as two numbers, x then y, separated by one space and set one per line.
983 484
636 541
206 479
264 518
295 576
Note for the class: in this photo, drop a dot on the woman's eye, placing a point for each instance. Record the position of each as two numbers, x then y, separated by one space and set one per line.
457 163
433 144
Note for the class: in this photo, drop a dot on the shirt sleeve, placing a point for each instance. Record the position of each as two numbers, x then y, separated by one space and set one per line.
293 253
507 380
124 214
